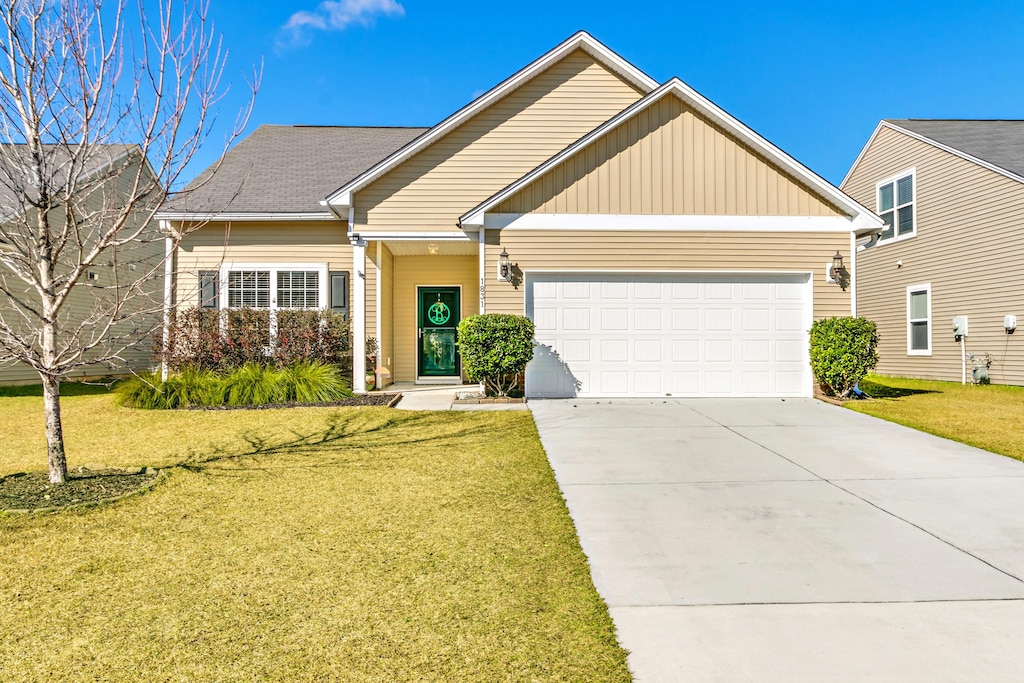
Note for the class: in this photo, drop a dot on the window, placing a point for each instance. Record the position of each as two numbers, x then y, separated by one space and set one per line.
919 320
250 288
298 289
339 292
896 205
208 288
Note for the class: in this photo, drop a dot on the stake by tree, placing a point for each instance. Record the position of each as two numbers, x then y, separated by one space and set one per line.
102 106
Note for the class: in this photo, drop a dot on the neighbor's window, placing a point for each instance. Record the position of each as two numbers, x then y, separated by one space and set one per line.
896 205
298 289
208 288
249 288
919 320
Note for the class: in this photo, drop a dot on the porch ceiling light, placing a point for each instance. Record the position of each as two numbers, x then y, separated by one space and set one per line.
837 267
504 265
432 248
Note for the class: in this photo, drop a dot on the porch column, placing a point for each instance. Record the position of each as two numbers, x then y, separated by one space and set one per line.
358 315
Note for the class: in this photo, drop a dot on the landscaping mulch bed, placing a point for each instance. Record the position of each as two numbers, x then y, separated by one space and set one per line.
360 400
27 491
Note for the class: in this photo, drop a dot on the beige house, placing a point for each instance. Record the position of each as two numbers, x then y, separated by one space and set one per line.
952 196
661 247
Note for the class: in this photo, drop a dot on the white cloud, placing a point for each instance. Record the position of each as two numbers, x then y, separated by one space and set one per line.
337 15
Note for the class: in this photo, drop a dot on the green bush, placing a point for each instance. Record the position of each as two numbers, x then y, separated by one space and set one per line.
495 349
250 385
843 351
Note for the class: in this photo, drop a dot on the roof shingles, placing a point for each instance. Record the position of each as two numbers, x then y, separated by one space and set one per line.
1000 143
288 169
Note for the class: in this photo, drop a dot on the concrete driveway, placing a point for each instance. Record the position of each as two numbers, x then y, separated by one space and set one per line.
791 540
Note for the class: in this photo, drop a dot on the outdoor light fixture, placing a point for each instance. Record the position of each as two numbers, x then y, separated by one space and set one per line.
504 266
837 267
432 248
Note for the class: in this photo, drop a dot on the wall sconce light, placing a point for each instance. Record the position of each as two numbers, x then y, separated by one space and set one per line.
504 266
432 248
837 266
835 271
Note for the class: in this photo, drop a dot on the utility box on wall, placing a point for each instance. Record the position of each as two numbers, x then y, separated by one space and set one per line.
959 327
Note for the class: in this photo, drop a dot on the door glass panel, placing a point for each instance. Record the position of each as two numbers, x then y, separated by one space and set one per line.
437 353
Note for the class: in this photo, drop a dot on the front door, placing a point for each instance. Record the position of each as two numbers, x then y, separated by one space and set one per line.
438 314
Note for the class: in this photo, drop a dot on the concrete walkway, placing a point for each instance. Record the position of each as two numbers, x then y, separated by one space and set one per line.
771 540
441 397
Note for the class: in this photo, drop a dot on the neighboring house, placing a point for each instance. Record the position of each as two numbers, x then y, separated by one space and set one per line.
952 196
661 247
104 184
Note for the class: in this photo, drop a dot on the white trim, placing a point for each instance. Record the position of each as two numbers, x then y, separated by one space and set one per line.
581 40
667 223
853 275
808 285
859 214
434 379
168 294
927 287
863 151
442 235
896 237
358 316
255 216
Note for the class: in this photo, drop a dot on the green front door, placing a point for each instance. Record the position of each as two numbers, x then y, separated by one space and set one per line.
438 313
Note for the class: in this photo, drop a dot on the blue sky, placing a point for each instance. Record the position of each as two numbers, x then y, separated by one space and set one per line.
812 77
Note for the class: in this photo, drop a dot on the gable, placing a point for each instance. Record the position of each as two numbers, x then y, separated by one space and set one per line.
430 190
667 158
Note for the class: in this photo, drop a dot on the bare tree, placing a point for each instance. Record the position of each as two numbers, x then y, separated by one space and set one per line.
102 106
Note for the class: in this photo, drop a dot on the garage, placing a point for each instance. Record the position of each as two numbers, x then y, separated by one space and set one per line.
657 335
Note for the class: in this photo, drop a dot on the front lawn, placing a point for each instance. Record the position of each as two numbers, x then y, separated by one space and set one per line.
989 417
299 544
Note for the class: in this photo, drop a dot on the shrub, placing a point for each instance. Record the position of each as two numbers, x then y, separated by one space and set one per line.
250 385
843 352
208 339
495 349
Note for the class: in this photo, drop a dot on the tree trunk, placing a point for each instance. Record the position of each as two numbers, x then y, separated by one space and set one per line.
58 464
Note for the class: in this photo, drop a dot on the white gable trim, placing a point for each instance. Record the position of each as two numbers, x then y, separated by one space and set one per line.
859 215
935 143
666 223
863 151
342 197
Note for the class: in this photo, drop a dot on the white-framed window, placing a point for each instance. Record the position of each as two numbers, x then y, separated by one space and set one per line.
919 320
897 205
273 285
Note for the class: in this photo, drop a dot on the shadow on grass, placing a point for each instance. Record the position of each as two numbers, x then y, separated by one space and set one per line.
875 390
66 389
344 435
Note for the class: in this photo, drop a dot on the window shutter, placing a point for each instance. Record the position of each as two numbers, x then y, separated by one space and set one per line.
208 288
339 291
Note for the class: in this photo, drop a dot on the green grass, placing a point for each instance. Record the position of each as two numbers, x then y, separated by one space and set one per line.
989 417
301 544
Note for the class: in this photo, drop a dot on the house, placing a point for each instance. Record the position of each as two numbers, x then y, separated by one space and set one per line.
661 247
106 323
952 196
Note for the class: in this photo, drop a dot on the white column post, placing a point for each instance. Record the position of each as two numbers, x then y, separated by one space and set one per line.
483 270
358 314
168 293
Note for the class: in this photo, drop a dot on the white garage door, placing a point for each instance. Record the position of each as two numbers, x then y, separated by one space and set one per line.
663 335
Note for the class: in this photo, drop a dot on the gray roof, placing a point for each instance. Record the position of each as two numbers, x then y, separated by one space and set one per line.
288 169
1000 143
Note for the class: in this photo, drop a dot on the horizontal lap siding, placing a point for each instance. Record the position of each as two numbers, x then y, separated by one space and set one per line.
667 159
603 251
494 148
969 242
416 271
270 242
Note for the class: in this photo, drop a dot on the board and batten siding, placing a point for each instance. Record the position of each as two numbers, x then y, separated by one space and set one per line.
494 148
667 159
411 272
647 251
968 247
263 242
